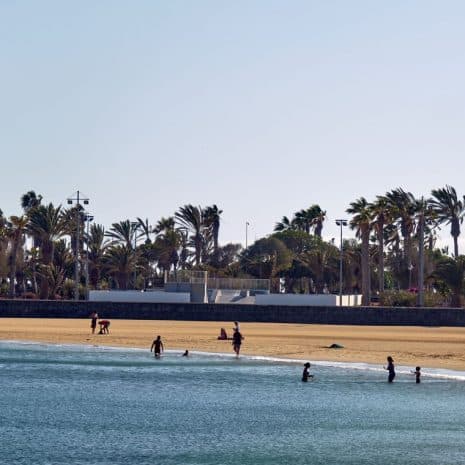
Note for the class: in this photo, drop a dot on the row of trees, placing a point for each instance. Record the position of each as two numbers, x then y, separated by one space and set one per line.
395 247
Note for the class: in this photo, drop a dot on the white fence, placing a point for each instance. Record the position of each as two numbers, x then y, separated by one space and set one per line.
310 300
139 296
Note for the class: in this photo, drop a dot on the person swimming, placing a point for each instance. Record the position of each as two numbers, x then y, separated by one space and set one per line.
306 373
390 367
186 354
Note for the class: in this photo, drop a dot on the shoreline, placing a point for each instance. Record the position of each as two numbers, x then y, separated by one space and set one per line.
431 372
437 348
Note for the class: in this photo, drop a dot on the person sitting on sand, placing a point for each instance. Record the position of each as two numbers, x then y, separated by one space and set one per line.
417 374
306 373
157 347
390 367
223 335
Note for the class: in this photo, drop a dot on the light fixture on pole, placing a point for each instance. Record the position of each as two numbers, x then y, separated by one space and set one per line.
76 199
340 223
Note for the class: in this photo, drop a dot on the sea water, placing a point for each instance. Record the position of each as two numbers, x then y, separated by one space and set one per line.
94 405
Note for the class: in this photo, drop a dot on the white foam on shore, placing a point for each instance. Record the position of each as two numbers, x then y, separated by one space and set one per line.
440 373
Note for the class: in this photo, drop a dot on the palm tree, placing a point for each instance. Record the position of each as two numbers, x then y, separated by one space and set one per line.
120 261
361 221
16 231
167 246
284 224
97 246
452 272
192 218
30 200
380 215
124 232
145 229
164 224
211 217
449 210
46 224
403 208
319 217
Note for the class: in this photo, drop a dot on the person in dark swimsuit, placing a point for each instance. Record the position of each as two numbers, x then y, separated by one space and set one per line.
157 347
186 354
417 374
390 367
237 341
306 373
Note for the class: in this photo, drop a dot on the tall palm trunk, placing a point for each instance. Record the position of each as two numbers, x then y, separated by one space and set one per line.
47 255
365 236
380 233
12 276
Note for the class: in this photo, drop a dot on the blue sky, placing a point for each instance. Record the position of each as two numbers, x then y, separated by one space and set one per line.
262 107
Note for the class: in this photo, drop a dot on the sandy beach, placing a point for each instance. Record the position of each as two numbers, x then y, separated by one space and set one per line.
428 347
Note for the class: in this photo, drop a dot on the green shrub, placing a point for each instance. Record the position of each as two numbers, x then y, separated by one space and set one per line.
398 299
409 299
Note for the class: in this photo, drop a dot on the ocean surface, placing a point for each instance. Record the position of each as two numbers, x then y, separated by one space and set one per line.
94 405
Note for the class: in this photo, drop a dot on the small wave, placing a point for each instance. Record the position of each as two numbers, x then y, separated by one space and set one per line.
439 373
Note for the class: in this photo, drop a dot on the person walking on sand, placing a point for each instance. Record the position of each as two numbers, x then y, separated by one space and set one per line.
306 373
157 347
93 321
390 367
237 341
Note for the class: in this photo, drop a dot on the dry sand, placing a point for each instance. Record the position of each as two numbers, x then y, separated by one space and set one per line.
428 347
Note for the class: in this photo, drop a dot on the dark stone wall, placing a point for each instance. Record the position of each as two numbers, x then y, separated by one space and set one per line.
231 312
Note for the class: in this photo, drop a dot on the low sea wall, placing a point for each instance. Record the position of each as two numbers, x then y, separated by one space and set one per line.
231 312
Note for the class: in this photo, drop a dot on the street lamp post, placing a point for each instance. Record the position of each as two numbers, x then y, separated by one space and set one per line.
134 225
77 198
340 223
89 219
247 224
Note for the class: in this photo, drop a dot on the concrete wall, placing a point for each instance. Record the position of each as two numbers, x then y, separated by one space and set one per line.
138 296
313 300
232 312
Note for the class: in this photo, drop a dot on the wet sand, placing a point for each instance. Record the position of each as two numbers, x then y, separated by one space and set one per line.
428 347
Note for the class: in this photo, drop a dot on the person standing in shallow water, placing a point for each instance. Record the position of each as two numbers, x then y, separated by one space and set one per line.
237 341
417 374
306 373
157 347
390 367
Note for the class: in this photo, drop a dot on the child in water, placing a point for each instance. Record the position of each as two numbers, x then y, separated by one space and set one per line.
417 374
390 367
306 373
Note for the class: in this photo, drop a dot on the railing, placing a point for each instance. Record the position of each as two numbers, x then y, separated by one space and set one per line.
239 284
198 277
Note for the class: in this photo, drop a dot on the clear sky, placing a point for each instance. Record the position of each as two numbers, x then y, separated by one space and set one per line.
263 107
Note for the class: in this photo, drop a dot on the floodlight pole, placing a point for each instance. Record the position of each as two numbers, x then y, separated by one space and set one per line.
77 199
89 218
